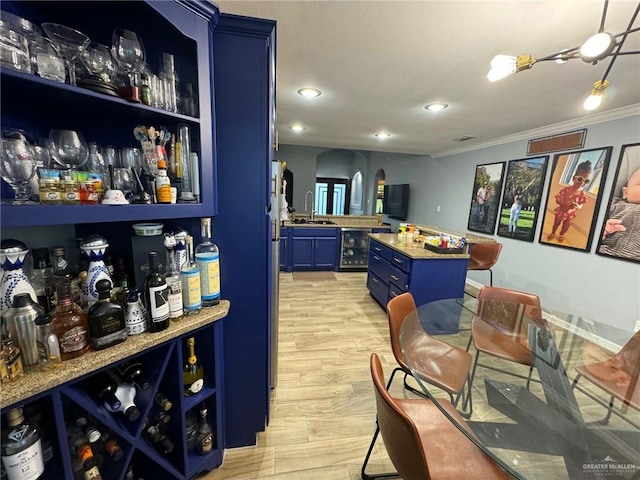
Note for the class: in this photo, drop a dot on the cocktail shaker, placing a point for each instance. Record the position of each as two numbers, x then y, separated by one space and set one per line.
20 321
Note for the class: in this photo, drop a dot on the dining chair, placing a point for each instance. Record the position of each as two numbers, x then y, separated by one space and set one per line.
483 256
498 329
618 377
443 366
422 443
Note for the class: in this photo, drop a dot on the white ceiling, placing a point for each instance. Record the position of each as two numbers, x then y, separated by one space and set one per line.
378 63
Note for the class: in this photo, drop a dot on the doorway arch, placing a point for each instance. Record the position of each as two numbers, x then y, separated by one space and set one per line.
378 192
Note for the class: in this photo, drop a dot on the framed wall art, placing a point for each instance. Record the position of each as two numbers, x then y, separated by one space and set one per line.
485 197
523 185
573 198
620 234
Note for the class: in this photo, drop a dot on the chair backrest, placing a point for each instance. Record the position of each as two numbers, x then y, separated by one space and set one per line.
400 435
397 309
503 308
483 256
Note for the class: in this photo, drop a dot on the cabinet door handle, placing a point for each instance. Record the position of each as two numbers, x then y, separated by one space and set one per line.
397 260
394 277
375 280
376 257
377 249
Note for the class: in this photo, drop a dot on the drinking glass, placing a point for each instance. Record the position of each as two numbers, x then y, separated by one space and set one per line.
69 43
45 59
17 167
68 148
96 162
99 62
128 51
14 49
111 155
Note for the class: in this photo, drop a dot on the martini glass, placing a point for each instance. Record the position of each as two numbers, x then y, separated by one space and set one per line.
69 44
17 167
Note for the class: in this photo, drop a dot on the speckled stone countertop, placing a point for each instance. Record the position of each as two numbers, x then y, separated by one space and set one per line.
413 249
34 382
340 221
471 238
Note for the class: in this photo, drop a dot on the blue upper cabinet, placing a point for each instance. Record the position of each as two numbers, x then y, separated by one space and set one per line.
36 105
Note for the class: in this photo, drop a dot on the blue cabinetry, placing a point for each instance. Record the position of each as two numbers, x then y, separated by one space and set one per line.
314 248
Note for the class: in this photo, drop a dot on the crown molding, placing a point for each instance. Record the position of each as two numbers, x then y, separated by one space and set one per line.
554 128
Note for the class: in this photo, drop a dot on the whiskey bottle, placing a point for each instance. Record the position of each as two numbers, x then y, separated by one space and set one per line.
193 373
106 319
21 448
155 289
81 449
204 439
11 361
208 259
190 276
70 324
172 277
42 279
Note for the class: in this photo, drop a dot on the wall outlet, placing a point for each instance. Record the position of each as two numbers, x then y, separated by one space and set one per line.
438 209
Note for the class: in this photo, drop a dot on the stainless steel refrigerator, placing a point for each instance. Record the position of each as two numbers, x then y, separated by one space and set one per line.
277 204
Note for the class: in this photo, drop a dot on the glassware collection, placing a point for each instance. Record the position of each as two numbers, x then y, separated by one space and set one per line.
59 312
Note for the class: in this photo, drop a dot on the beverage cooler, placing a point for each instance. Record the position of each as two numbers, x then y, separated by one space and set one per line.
354 248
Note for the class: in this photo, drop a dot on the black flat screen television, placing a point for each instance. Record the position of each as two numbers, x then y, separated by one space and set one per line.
396 201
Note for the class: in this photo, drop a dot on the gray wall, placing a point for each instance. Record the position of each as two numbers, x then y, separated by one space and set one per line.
599 288
586 284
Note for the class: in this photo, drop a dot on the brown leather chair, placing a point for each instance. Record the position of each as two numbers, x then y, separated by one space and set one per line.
483 256
618 377
422 442
445 367
498 329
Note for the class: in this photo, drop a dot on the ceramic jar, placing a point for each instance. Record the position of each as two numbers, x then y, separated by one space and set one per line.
14 280
94 248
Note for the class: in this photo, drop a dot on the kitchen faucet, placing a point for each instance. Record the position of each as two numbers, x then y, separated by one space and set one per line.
313 212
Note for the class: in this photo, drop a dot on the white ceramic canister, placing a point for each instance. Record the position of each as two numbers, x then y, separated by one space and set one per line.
94 247
14 280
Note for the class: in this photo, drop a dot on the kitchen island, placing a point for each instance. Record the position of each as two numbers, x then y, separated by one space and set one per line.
397 266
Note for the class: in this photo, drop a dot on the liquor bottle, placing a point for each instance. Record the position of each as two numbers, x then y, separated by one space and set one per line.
11 361
191 430
190 275
174 282
208 259
33 414
21 448
106 319
163 184
120 282
155 289
42 279
48 347
136 315
192 372
81 449
103 387
70 324
132 372
204 439
61 267
163 402
153 434
126 393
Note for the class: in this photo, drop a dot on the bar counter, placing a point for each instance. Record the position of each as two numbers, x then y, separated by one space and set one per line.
35 382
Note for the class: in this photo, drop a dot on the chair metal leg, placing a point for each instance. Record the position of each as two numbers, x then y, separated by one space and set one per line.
413 390
469 343
529 376
466 397
470 380
366 476
490 277
609 407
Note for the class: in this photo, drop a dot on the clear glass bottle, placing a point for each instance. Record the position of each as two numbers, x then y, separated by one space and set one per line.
48 347
12 360
70 324
192 372
156 292
61 267
208 259
42 279
204 442
145 89
21 448
190 275
107 325
174 282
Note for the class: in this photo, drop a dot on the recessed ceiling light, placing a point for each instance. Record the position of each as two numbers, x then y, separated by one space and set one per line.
436 107
382 135
309 92
297 128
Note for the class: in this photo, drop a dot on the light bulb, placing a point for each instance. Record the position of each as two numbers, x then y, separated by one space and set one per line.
436 107
297 128
597 47
594 100
501 67
309 92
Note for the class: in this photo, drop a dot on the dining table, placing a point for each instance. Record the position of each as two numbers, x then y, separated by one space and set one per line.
555 426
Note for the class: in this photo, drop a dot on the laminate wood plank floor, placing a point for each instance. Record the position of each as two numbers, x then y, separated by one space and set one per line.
323 408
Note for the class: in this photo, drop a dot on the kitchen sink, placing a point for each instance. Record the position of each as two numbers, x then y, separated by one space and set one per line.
313 222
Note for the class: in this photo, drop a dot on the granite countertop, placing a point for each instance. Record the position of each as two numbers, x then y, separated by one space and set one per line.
34 381
340 221
413 249
471 238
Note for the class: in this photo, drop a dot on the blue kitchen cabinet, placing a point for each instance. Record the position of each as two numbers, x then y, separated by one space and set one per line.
314 248
285 261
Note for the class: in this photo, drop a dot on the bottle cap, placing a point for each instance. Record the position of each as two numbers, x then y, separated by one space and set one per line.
22 300
162 163
15 417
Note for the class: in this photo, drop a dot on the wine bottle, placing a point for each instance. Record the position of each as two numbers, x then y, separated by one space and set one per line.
204 442
81 449
208 259
193 373
153 434
156 293
106 319
131 372
174 282
21 447
126 393
163 402
103 388
190 276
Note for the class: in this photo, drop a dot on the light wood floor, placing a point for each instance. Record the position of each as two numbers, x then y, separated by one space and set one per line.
323 409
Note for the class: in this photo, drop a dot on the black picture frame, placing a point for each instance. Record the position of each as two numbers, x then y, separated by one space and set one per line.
571 207
482 214
520 206
623 245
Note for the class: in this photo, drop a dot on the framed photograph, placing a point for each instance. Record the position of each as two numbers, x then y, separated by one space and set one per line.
485 197
620 234
523 185
573 198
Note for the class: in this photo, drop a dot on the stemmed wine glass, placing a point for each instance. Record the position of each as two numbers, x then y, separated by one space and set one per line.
69 44
99 62
128 51
68 148
17 167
